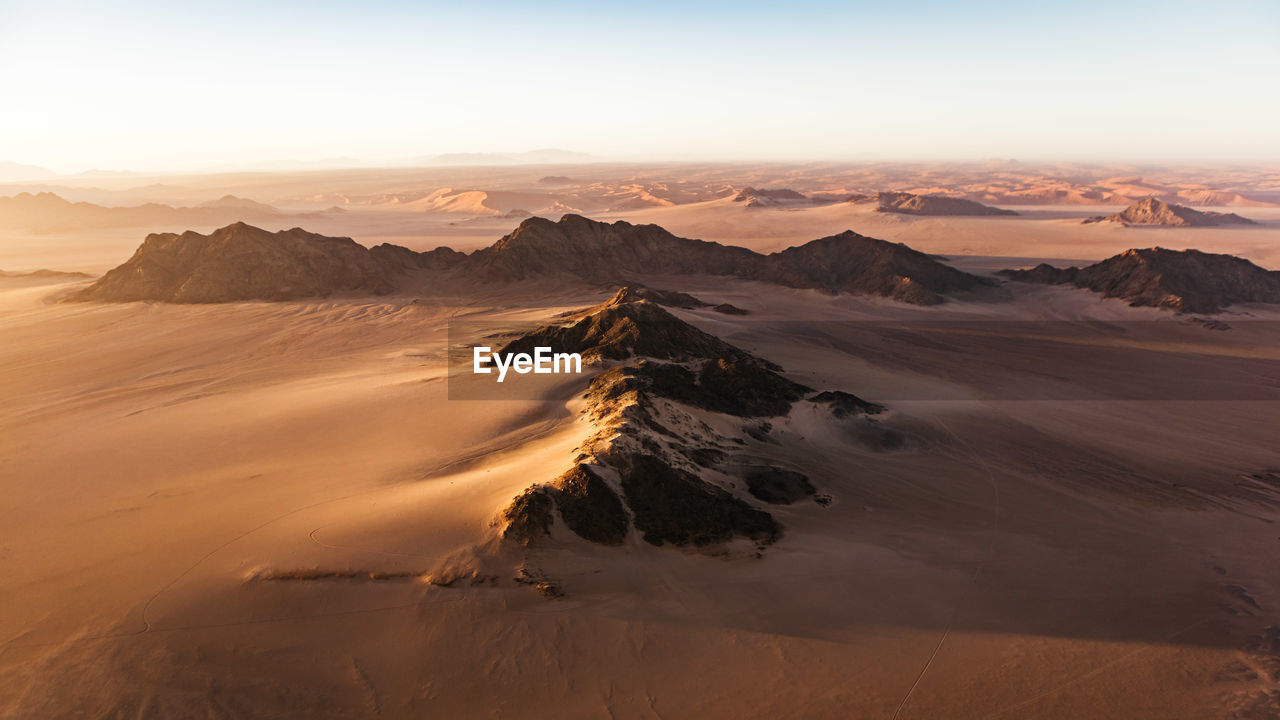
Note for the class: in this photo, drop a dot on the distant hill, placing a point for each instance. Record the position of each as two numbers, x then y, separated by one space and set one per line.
1158 213
47 212
242 262
17 172
44 274
911 204
754 197
239 203
1187 281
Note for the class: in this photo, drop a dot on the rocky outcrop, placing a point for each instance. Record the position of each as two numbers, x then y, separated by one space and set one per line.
242 262
1153 212
755 197
912 204
654 463
1188 281
854 263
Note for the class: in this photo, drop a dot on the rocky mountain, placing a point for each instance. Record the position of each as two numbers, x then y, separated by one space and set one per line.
854 263
1158 213
655 463
912 204
754 197
603 252
242 262
1184 280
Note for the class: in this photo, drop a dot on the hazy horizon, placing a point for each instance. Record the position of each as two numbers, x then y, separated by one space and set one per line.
133 87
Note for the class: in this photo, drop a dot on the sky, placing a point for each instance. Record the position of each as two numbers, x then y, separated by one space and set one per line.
182 85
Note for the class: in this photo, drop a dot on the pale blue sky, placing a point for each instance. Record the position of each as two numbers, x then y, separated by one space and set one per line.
166 86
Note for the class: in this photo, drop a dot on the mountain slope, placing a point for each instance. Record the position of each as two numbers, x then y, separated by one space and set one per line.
48 212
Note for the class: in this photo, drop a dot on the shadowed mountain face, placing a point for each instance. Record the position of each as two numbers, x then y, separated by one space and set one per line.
1186 281
1155 212
241 262
912 204
653 464
599 251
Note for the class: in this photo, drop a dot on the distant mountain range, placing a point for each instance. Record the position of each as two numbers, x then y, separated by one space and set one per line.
1187 281
241 262
47 212
1158 213
17 172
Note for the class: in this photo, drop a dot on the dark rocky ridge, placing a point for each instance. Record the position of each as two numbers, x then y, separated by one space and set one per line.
1184 280
937 205
645 466
1155 212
